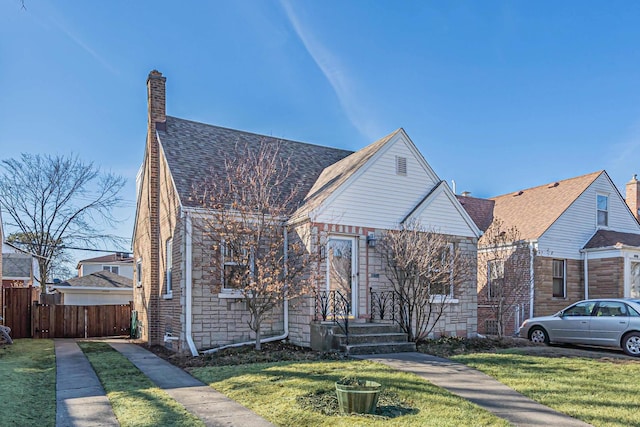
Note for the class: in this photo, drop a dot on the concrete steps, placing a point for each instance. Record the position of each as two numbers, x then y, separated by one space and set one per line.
373 338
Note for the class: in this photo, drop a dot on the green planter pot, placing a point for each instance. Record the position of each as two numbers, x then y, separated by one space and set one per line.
359 399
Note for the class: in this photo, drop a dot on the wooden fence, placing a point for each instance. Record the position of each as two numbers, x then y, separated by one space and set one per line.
17 309
80 321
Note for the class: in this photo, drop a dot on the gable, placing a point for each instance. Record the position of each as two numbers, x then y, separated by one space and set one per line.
578 224
532 211
441 212
380 196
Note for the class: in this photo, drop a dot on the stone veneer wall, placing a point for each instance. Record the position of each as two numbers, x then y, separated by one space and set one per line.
606 278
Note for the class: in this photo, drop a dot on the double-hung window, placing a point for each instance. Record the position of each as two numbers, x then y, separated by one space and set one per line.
559 279
495 279
603 210
169 265
236 261
441 274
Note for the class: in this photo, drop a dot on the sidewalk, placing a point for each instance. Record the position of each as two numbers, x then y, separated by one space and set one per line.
478 388
81 400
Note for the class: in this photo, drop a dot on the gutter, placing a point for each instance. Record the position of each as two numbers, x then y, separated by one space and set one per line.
189 285
285 319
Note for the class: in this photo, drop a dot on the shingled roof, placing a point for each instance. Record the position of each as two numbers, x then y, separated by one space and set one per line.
193 149
608 238
535 209
99 279
16 265
480 210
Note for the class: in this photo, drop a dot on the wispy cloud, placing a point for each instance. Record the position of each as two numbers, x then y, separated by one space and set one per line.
78 41
336 73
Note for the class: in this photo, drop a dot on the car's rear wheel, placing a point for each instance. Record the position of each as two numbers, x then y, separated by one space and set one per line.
631 344
538 335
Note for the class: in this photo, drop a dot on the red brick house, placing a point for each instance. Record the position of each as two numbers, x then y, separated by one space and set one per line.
582 239
348 198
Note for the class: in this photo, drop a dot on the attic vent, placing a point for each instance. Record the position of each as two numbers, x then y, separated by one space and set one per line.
401 165
519 193
555 184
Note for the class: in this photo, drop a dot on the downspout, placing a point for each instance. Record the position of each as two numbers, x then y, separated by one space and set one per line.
531 279
285 319
586 275
188 285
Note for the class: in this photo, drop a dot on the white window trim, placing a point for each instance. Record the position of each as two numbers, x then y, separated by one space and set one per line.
139 272
168 268
608 211
564 279
110 267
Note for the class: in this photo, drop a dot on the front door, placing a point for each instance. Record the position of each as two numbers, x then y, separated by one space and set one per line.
341 272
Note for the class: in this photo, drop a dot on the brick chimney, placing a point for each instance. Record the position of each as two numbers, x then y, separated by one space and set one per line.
633 196
157 120
156 98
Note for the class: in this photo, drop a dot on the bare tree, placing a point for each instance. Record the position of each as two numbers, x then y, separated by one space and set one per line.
503 269
426 269
247 204
57 201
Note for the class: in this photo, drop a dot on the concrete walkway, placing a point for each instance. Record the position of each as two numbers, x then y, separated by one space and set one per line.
81 401
212 407
80 398
478 388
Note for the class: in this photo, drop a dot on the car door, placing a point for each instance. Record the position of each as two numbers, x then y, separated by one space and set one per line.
609 322
572 325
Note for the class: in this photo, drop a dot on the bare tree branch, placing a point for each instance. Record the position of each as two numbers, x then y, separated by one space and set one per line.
54 201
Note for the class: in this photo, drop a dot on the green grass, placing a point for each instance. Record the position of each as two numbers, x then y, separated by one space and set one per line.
275 390
599 392
28 383
135 399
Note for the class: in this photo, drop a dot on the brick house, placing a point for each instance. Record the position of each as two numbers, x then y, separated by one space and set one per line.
349 199
580 240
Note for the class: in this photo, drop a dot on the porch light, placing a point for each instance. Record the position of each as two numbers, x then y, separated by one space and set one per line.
371 239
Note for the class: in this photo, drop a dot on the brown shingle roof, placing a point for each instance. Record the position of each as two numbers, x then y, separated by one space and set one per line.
193 149
99 279
480 210
117 257
607 238
535 209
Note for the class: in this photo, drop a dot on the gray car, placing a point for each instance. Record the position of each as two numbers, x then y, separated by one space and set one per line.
607 322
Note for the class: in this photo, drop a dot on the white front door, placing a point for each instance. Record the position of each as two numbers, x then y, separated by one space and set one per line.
342 261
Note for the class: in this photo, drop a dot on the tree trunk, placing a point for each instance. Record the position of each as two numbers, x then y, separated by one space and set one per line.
258 336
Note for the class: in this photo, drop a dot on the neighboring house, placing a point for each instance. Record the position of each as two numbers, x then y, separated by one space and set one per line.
348 199
99 288
582 239
118 263
19 268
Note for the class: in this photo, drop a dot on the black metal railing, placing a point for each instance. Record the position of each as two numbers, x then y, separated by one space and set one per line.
336 307
385 305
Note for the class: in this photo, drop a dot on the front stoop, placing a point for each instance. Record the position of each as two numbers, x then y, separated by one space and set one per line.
373 338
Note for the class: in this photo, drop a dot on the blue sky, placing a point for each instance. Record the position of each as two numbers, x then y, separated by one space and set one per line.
498 96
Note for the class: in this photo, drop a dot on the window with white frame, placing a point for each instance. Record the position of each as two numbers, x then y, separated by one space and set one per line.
495 278
441 274
235 262
559 279
112 268
139 272
169 265
603 210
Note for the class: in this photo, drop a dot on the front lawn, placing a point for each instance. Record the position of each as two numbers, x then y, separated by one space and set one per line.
28 383
303 394
601 392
